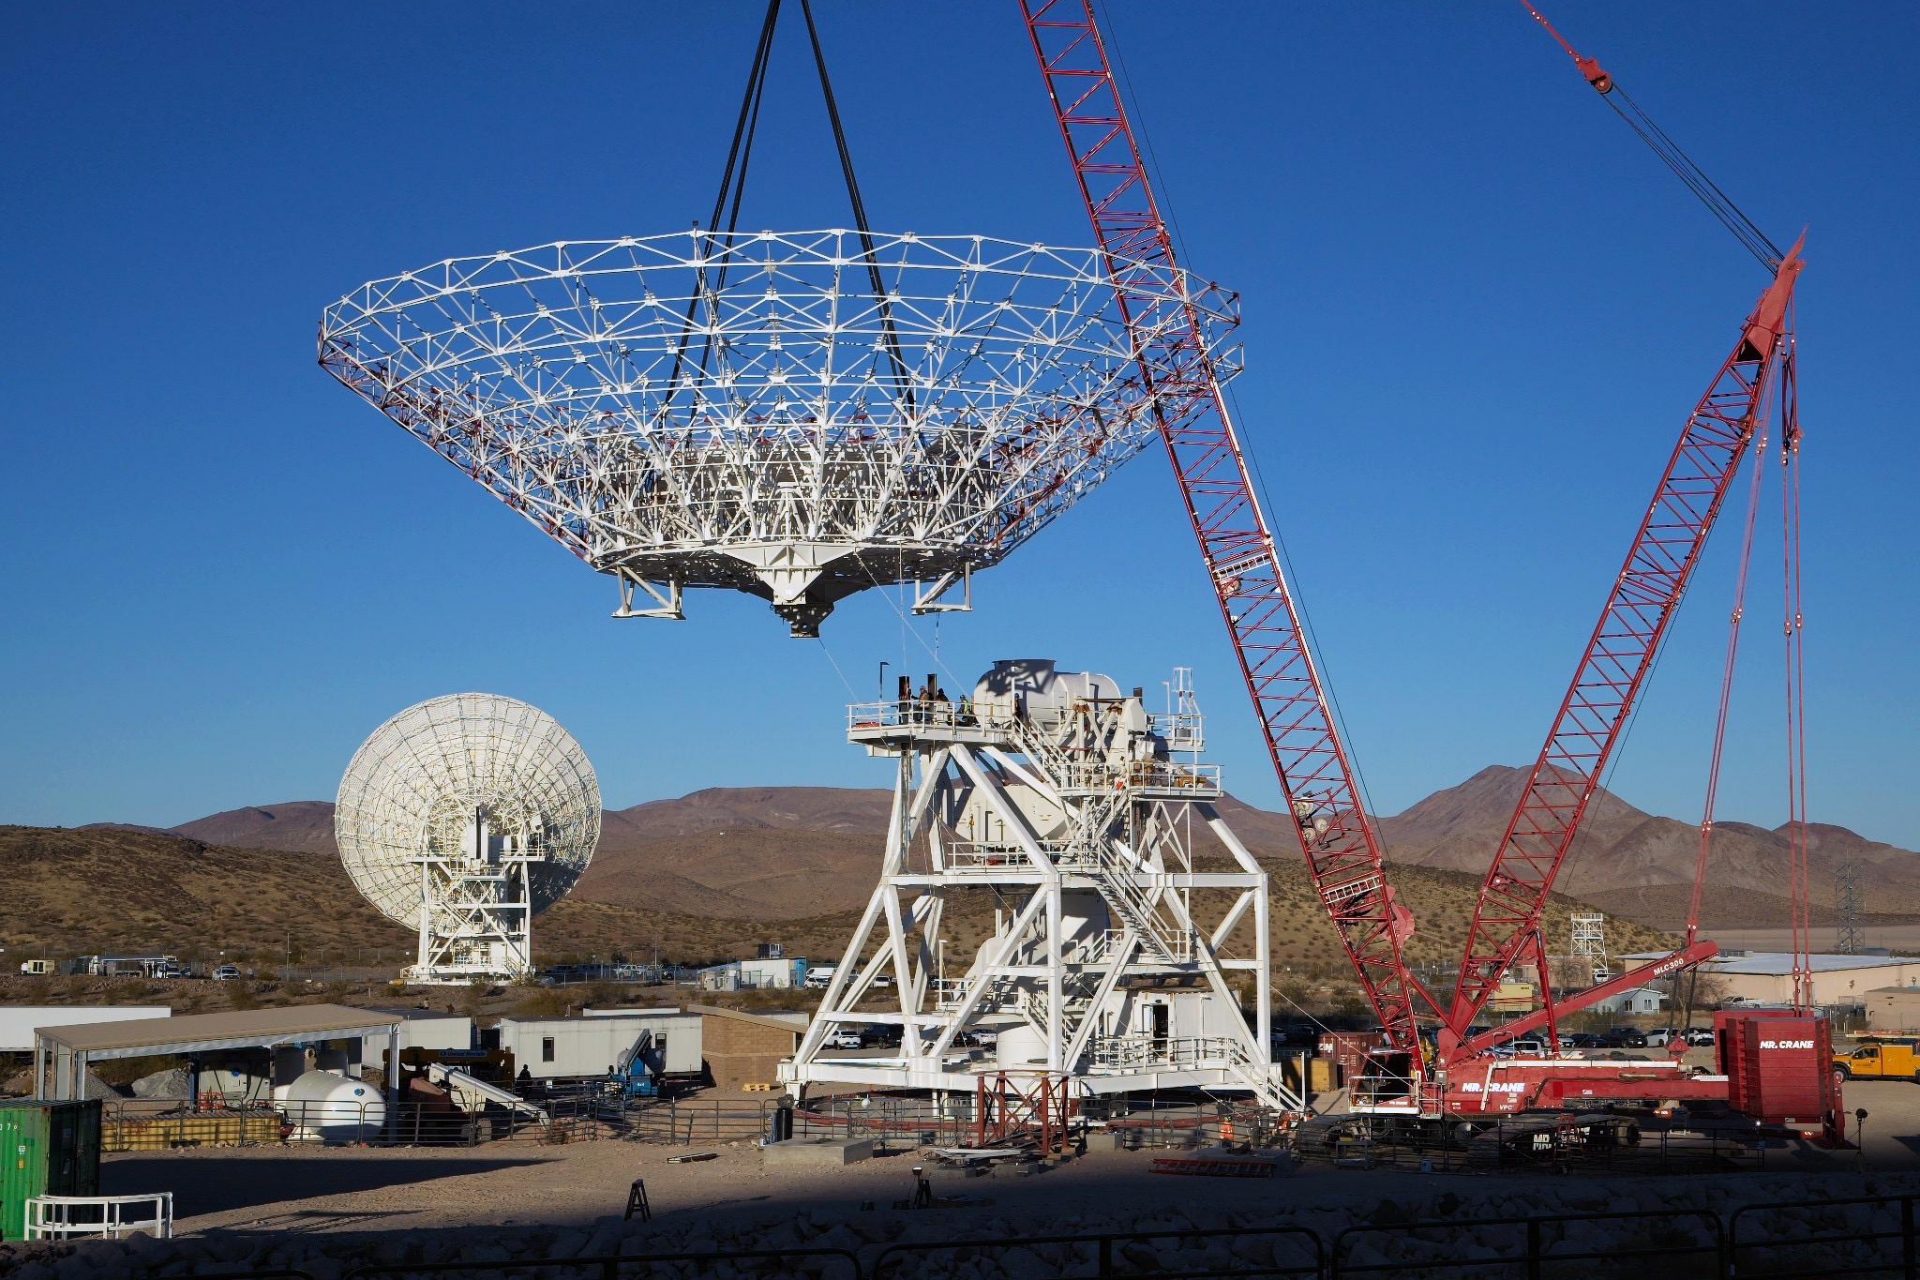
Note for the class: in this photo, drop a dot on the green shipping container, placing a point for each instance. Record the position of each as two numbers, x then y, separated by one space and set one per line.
46 1149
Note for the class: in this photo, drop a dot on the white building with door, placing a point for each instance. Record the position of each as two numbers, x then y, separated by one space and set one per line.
1637 1000
765 973
1766 977
568 1048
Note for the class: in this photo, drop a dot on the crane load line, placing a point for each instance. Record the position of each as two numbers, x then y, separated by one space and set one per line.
1684 167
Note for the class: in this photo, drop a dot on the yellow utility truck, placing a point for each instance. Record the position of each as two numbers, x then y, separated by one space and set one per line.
1880 1060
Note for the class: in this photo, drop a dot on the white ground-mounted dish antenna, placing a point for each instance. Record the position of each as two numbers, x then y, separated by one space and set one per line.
463 817
748 411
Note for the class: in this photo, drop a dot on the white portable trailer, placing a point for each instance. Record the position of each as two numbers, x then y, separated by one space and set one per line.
563 1048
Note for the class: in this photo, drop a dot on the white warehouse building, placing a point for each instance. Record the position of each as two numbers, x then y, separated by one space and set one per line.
568 1048
1766 977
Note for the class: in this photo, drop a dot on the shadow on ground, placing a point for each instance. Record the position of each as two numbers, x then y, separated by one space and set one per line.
205 1185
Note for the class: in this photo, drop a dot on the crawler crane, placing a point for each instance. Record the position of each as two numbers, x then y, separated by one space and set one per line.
1460 1076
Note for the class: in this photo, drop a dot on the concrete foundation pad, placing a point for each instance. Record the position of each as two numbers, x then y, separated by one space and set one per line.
815 1153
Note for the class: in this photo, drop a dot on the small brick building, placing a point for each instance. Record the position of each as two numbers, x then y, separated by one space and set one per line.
745 1048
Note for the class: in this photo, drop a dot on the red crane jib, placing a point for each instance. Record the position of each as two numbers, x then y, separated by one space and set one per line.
1660 562
1337 838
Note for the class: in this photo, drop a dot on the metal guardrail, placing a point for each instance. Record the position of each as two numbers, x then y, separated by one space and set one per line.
1095 1257
1537 1247
1889 1250
100 1217
1696 1243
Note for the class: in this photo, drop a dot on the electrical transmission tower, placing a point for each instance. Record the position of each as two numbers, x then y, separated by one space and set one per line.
1847 939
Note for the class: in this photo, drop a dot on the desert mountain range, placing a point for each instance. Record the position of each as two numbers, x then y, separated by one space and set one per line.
778 853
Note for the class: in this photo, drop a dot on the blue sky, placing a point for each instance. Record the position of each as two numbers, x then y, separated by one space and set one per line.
1477 312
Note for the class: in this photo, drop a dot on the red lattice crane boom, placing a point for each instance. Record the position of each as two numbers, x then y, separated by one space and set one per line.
1337 837
1660 562
1613 670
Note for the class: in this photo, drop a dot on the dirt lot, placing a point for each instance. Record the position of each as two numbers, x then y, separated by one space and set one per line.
520 1184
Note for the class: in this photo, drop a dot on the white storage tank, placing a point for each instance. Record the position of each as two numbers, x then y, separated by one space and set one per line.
1034 688
324 1107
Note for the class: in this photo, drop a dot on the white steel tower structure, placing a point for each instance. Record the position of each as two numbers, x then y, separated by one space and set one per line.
1052 812
1590 942
462 818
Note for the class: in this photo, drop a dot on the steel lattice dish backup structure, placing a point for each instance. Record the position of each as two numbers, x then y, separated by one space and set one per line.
462 818
748 411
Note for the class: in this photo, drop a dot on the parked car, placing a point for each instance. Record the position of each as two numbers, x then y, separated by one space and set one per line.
226 973
1519 1049
1624 1038
1700 1036
882 1036
985 1037
1661 1037
846 1040
1582 1040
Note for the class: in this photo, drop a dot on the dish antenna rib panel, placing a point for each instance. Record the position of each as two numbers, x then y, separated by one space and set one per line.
462 818
739 410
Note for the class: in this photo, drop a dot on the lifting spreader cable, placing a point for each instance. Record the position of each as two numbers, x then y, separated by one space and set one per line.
733 188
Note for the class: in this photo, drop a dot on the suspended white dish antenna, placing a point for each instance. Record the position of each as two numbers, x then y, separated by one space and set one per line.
463 817
746 411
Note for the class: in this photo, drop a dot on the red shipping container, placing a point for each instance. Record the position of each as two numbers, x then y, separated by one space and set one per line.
1350 1049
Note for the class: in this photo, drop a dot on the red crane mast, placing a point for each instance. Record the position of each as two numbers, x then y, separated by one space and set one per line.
1337 837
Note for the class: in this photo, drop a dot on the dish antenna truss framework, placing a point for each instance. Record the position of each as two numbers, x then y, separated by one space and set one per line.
463 817
797 415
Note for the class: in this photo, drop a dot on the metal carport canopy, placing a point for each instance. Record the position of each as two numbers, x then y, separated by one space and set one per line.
202 1032
67 1049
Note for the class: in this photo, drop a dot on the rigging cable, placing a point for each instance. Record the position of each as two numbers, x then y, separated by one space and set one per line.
891 338
1691 175
744 129
1726 687
733 186
1797 834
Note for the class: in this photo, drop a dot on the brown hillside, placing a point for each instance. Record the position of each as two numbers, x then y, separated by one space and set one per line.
1623 848
299 826
795 853
112 890
106 890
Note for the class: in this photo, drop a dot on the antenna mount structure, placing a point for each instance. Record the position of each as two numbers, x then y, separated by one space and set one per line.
462 818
